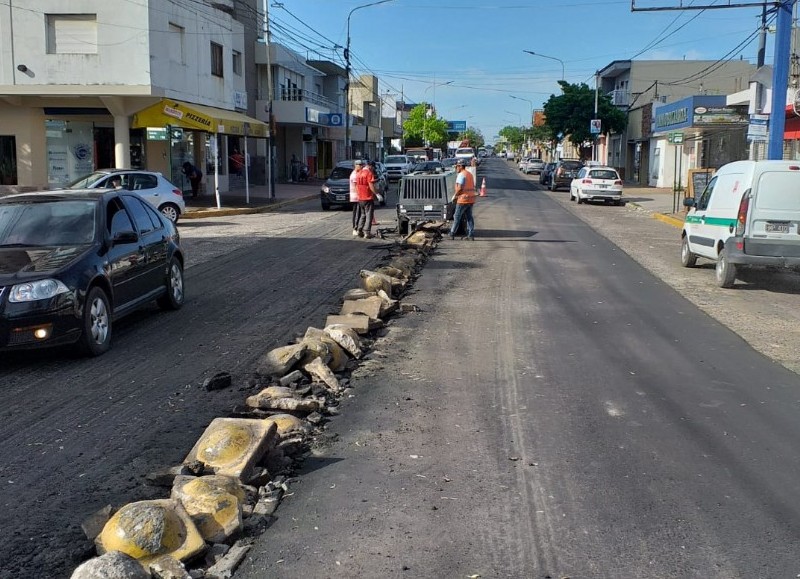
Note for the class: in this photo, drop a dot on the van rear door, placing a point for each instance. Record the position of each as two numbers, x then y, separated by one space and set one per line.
774 220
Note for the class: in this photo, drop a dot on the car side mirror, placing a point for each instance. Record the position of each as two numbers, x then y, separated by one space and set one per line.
689 202
123 237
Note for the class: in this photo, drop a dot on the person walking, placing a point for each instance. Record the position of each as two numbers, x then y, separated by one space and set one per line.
357 165
194 175
464 198
367 189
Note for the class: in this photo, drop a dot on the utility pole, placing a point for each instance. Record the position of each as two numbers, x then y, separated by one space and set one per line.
269 157
596 99
758 105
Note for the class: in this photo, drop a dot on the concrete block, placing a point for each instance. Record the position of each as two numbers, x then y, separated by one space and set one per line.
358 322
293 376
214 502
346 337
281 398
369 306
226 566
94 523
357 294
322 373
111 565
279 361
167 567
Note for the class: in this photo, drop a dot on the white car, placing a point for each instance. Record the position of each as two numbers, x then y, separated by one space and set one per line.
465 153
397 166
596 184
151 186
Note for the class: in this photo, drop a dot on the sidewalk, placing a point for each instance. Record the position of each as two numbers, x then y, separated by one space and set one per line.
660 201
235 202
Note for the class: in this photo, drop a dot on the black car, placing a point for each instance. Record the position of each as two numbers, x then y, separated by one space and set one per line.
564 172
544 176
427 168
73 261
336 189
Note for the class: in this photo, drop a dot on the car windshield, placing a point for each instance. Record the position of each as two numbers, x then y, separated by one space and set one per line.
397 159
570 165
603 174
47 223
339 173
87 180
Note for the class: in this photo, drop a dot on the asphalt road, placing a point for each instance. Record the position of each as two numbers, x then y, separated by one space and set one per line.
554 410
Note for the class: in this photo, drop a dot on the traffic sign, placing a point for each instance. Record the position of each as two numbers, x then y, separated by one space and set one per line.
675 138
594 126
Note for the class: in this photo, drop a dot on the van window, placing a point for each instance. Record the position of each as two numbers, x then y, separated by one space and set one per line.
779 190
703 202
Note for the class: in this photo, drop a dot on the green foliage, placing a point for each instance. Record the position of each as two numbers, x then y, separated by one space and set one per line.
570 113
474 136
514 136
420 127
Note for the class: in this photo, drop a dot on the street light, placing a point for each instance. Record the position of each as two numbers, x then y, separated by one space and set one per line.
347 85
433 105
550 57
527 101
519 116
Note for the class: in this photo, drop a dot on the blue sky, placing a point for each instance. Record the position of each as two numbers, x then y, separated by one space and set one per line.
469 53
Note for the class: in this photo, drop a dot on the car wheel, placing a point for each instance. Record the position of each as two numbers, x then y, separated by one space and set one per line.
688 259
725 271
174 298
578 198
170 211
96 336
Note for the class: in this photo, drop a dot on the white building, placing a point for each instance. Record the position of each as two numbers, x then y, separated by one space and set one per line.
87 84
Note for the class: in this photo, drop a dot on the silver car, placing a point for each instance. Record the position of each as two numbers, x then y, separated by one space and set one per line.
151 186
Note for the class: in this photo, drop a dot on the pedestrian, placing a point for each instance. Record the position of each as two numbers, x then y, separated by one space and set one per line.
194 175
367 189
357 166
295 168
237 162
464 198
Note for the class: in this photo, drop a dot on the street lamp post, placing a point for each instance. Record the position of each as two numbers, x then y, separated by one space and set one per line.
528 140
347 83
433 105
550 57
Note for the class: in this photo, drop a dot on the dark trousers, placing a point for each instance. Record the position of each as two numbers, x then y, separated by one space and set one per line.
356 213
195 183
367 213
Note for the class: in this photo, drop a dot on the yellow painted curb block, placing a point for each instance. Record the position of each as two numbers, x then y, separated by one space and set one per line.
214 212
232 446
669 220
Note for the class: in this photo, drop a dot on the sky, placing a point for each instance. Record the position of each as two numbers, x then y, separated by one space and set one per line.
467 57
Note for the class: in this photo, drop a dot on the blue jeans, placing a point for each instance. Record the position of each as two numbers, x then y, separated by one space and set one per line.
463 210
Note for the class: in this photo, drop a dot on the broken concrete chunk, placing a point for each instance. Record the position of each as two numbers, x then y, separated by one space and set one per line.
315 348
111 565
268 401
291 377
233 446
373 282
95 522
279 361
319 370
166 476
216 552
359 322
167 567
288 424
225 567
218 381
357 294
369 306
214 502
146 530
392 272
346 337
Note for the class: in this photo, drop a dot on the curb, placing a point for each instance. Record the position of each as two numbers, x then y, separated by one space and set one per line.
204 212
675 222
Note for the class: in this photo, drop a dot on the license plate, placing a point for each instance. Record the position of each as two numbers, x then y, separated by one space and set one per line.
428 208
777 228
602 186
342 197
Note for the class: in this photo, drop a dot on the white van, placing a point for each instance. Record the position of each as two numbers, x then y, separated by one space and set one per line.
748 214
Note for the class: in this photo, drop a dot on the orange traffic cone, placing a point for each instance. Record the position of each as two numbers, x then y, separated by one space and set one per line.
483 188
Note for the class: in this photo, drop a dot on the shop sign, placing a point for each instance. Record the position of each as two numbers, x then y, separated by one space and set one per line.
239 99
675 117
717 115
675 138
156 134
758 127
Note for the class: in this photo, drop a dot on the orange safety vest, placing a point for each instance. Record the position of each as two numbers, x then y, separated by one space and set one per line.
467 196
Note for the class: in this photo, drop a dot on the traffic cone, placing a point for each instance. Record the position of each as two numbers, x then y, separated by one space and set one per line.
483 188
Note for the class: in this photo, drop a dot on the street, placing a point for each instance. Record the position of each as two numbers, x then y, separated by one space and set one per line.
568 402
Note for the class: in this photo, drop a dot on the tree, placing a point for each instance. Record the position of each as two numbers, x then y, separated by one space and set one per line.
420 127
474 136
570 113
514 136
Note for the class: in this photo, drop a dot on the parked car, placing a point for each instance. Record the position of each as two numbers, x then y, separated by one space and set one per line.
427 168
563 173
596 183
547 171
466 154
449 164
748 215
152 186
75 261
397 166
335 190
531 165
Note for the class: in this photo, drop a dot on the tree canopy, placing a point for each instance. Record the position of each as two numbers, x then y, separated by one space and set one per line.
420 127
570 113
514 136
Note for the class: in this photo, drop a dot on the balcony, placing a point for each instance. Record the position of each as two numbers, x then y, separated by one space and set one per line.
290 105
620 98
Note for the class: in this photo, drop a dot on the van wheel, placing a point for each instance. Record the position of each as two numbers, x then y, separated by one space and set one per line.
726 271
688 259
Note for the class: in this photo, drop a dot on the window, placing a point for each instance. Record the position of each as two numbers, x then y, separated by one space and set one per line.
117 219
175 41
71 33
8 160
237 62
140 216
216 59
142 181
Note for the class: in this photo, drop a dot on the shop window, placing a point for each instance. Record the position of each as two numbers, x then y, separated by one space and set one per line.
237 62
216 59
8 160
176 41
71 33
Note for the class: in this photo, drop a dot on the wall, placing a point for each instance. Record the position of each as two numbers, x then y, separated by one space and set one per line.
27 125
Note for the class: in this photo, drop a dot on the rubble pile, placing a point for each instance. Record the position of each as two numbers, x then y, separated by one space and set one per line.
231 482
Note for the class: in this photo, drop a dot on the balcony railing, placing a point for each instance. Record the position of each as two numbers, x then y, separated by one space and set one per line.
298 94
620 98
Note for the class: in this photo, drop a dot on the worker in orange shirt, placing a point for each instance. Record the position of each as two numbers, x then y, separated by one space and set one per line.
464 198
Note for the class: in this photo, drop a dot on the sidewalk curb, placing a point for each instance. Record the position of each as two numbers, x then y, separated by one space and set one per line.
669 220
203 212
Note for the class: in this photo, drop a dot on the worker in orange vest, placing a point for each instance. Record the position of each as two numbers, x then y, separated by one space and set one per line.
464 198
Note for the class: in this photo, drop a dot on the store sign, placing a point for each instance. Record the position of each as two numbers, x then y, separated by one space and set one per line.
675 117
718 115
675 138
456 126
758 127
239 99
156 134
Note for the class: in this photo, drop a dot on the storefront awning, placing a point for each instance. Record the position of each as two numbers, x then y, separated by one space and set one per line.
168 112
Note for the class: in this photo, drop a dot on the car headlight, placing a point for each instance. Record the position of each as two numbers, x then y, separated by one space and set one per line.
36 290
326 189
